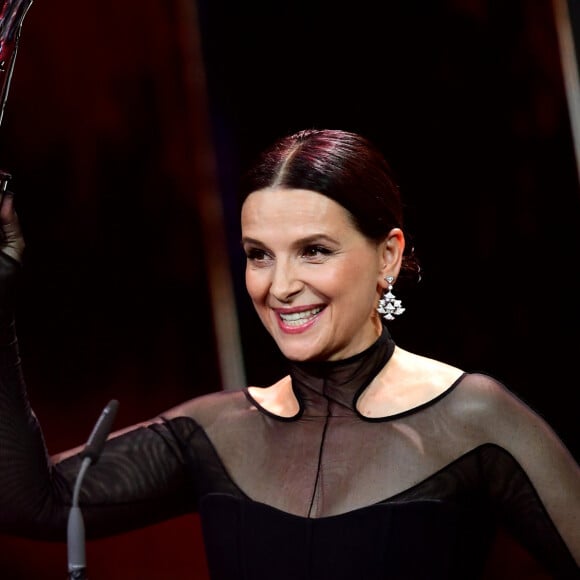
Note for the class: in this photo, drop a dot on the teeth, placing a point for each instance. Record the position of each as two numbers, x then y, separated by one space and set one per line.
299 318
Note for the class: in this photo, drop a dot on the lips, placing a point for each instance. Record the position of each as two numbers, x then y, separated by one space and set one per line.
299 318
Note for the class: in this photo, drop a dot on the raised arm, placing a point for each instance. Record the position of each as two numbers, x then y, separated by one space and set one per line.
139 478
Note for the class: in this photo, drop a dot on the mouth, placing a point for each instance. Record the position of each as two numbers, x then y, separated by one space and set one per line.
297 319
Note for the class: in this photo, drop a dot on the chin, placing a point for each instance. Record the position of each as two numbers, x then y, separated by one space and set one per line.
297 357
295 354
301 350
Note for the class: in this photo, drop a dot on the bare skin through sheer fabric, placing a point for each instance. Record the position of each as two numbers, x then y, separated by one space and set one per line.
317 475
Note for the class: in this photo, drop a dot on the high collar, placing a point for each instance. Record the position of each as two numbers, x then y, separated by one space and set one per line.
333 387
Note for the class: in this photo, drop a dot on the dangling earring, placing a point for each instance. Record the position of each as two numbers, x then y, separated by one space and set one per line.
389 306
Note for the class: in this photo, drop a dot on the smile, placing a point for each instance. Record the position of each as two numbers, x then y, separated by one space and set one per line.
299 318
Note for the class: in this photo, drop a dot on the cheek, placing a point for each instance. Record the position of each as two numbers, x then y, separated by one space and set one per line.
362 267
255 285
361 281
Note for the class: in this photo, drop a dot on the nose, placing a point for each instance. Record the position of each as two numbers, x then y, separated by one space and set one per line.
285 284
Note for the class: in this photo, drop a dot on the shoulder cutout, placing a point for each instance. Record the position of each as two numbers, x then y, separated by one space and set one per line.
407 381
278 399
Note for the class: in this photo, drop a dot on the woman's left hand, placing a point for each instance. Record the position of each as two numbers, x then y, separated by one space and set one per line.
11 239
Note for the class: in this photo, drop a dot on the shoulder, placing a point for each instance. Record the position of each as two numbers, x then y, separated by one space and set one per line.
210 408
418 371
488 408
483 395
278 399
410 381
407 381
430 378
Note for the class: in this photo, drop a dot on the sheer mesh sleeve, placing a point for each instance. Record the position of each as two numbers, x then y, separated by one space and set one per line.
539 483
139 478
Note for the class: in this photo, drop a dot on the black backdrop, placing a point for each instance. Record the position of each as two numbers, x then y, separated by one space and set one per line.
466 99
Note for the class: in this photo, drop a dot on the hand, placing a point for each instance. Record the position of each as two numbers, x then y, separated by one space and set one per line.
11 238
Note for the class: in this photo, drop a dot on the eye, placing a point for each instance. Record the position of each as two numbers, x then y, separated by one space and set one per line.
257 255
316 251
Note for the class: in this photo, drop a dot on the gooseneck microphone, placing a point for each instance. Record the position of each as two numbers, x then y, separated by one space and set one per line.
77 566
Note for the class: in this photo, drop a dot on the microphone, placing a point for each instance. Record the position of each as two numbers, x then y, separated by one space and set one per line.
76 527
101 430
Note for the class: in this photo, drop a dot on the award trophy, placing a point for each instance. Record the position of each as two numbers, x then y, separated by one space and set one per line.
12 13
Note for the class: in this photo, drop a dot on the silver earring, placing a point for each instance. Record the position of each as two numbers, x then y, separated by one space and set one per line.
389 306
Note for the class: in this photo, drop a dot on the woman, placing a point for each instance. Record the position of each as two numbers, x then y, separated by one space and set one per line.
366 461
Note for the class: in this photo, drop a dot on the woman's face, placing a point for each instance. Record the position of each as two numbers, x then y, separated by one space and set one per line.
313 278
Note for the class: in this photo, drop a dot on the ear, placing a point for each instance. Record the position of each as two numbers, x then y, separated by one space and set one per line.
391 255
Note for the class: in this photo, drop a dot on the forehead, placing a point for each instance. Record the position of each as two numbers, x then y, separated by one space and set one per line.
292 208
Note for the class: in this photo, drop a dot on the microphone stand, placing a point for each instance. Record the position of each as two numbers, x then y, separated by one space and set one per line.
77 565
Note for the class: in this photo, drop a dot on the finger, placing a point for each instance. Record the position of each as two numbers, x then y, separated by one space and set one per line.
7 213
12 240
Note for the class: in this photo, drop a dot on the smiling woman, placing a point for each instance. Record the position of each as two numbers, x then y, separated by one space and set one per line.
365 461
301 246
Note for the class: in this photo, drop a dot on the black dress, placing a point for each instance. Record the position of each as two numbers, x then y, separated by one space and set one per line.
327 494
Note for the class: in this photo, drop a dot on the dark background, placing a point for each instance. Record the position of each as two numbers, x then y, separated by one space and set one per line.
118 131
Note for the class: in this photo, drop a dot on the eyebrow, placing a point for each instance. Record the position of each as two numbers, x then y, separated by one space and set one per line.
315 238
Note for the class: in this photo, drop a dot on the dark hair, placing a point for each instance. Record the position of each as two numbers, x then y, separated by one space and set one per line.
344 166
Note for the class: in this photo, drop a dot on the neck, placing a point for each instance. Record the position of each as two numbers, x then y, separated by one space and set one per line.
338 384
